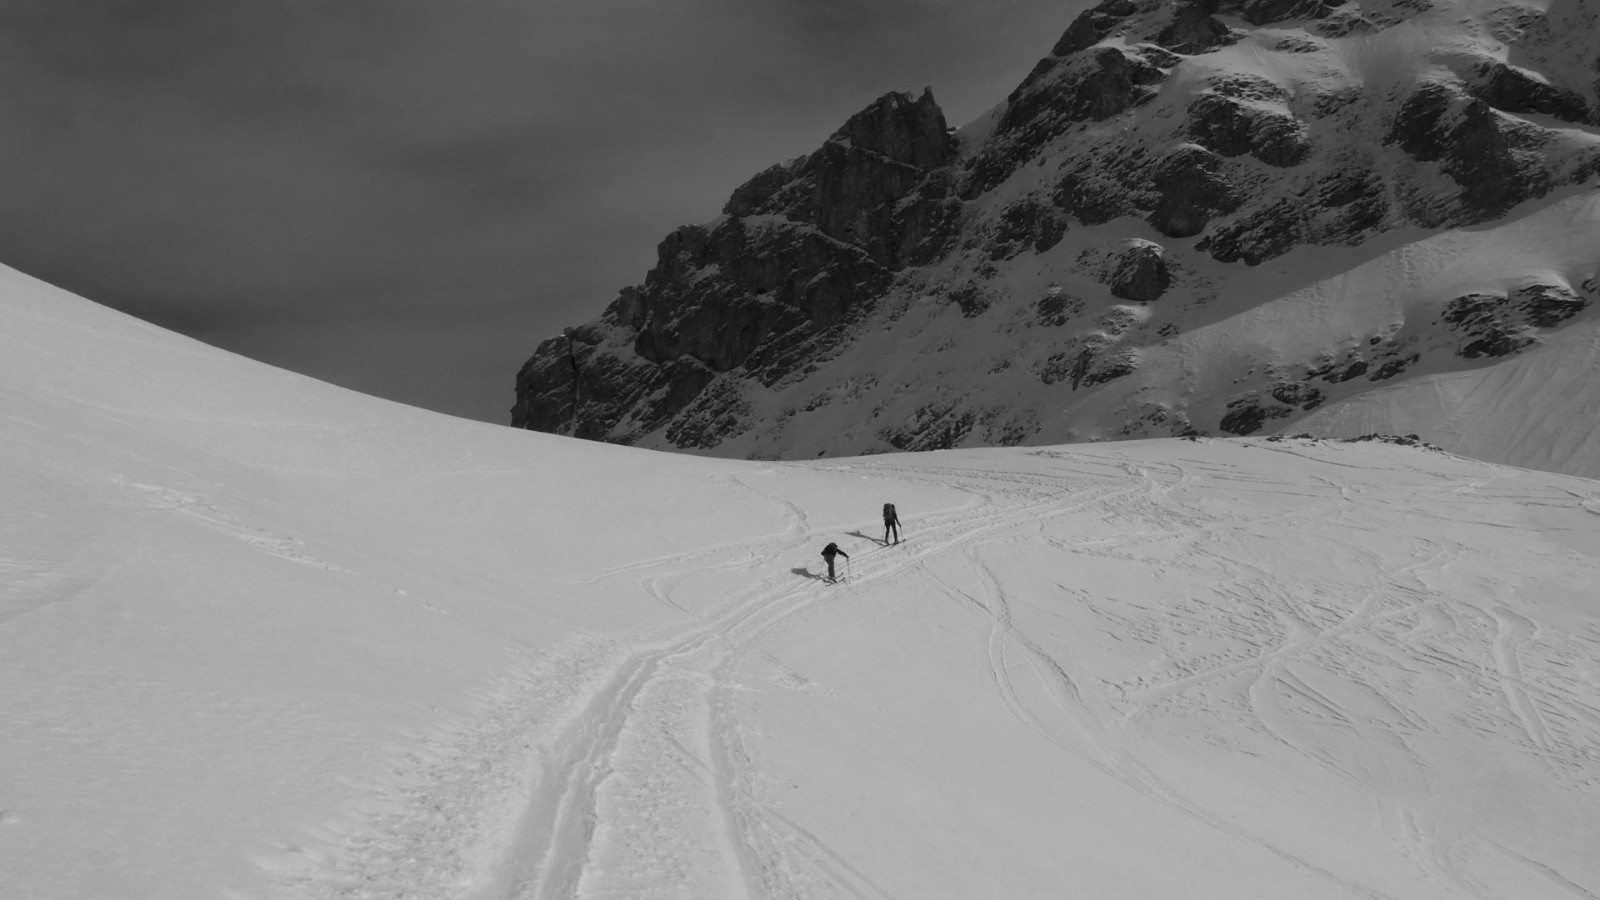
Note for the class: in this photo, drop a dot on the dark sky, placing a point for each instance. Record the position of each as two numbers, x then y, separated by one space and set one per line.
404 196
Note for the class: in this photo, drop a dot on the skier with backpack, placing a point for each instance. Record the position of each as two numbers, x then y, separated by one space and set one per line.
828 553
890 520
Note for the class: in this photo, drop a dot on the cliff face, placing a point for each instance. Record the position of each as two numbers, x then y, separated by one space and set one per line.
798 248
1145 238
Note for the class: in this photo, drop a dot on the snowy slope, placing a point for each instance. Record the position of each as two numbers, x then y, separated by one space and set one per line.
1288 328
263 638
1536 411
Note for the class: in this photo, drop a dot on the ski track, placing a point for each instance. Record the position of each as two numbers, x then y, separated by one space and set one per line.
1100 743
641 781
598 822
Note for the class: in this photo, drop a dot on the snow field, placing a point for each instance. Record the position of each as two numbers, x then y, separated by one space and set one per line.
1302 713
262 638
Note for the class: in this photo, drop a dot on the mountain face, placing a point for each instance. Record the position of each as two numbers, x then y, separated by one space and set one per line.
1190 218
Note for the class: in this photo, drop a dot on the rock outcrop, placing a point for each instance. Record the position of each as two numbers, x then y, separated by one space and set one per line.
799 247
1056 270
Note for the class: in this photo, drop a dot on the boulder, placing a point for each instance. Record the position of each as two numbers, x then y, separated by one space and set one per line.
1232 128
1515 90
1191 189
1475 146
1140 272
1194 28
1027 223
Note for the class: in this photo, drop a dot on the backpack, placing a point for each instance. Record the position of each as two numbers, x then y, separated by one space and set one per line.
830 551
888 513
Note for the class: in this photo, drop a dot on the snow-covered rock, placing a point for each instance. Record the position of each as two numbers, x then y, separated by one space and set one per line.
1191 218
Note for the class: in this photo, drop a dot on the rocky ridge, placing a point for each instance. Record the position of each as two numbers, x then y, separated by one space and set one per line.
1121 247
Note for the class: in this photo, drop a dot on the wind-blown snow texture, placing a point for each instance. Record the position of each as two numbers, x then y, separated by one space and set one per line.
264 638
1191 218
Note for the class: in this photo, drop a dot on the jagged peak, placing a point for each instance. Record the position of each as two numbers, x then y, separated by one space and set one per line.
903 128
898 128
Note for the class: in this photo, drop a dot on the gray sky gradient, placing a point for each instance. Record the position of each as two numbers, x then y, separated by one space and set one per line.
404 196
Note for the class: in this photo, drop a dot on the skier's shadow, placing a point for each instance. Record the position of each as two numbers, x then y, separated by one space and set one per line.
866 537
804 572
